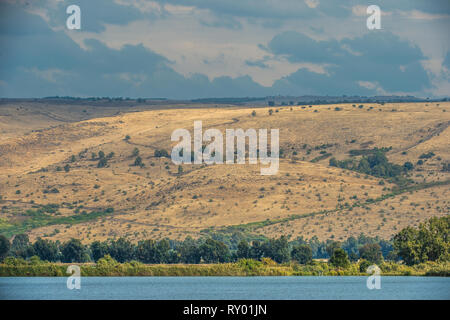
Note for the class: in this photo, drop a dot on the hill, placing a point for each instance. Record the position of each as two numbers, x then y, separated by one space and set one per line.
54 183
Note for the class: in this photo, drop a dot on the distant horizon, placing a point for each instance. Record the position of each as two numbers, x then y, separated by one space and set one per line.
410 98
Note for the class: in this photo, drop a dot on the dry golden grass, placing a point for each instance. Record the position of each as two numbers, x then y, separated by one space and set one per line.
155 202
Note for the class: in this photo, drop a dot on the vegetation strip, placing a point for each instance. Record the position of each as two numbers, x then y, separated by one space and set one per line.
421 251
39 219
246 267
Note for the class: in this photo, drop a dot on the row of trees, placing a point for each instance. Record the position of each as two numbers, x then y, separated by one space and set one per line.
353 246
375 164
165 251
429 242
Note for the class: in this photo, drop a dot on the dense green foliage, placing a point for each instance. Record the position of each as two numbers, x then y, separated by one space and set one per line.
21 247
302 253
414 246
275 249
213 251
4 247
107 266
446 167
371 252
46 249
430 242
339 258
375 164
40 217
74 251
161 153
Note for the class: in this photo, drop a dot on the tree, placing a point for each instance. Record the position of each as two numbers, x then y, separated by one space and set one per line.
408 166
135 152
371 252
363 265
277 249
46 250
67 168
21 247
446 167
213 251
333 162
122 250
189 251
339 258
173 256
101 154
407 247
427 243
146 251
103 162
332 246
99 250
392 256
257 250
161 153
433 237
138 162
353 256
243 250
73 251
302 253
150 251
351 247
162 251
4 247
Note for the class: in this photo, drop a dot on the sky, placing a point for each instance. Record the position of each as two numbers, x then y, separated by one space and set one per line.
185 49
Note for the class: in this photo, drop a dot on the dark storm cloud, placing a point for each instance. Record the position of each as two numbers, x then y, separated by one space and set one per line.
49 63
377 57
304 81
17 22
301 48
37 61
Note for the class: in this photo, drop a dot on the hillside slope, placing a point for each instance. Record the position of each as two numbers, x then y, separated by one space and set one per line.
307 197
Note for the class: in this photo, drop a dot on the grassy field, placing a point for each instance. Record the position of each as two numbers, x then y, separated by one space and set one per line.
307 197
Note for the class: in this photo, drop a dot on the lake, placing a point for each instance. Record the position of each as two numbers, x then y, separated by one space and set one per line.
225 288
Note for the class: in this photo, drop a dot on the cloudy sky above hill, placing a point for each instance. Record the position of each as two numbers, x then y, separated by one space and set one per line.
208 48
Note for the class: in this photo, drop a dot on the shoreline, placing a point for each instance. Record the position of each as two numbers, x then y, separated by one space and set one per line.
234 269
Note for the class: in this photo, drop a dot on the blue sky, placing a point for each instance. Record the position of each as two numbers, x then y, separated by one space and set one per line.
206 48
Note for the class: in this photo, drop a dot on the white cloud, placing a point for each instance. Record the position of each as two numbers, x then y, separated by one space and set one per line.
312 3
359 10
143 5
419 15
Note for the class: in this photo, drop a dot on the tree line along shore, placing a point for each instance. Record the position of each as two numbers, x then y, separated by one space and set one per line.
422 251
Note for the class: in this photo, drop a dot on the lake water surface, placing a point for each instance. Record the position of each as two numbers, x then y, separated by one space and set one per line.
225 288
